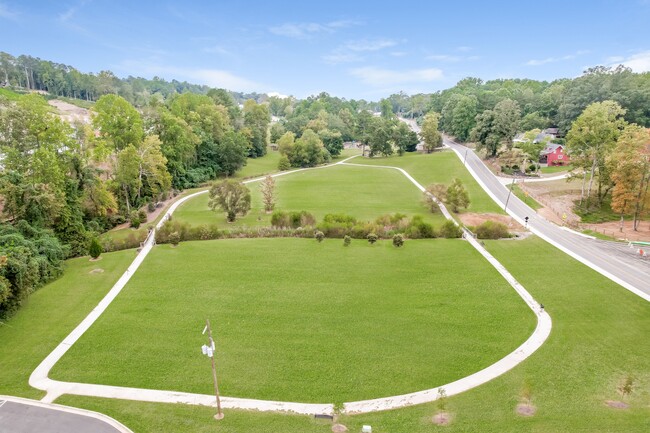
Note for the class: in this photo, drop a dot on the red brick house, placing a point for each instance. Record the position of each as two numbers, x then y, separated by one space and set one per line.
553 154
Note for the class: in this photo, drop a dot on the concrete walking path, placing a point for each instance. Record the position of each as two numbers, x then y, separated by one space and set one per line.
39 378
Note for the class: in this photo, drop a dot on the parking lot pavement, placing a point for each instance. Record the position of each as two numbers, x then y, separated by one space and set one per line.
27 416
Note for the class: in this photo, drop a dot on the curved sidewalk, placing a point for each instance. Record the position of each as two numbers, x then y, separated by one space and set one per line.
40 380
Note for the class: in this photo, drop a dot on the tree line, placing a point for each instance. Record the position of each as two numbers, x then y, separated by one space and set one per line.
31 73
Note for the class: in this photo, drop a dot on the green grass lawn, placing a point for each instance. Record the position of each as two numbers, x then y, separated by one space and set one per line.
297 320
50 314
527 199
555 169
365 193
599 336
144 417
10 94
260 166
439 167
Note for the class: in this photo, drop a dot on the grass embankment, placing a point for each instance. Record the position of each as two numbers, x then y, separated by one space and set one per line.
50 314
358 191
10 94
439 167
526 198
254 167
599 337
301 321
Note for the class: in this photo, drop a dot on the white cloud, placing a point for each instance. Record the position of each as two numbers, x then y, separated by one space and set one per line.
225 79
209 77
66 15
306 30
538 62
334 58
7 13
444 58
464 49
217 49
351 51
639 62
369 44
398 53
387 77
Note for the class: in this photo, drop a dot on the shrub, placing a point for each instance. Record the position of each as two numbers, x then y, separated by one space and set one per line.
294 219
339 219
95 248
398 240
419 229
284 163
372 238
319 236
151 206
174 238
492 230
134 219
450 230
280 219
346 241
142 216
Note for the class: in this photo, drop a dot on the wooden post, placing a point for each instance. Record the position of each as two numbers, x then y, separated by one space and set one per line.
219 414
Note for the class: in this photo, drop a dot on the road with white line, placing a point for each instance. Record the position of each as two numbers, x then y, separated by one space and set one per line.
615 261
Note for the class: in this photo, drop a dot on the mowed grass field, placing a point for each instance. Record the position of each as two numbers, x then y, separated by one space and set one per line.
599 337
296 320
50 314
438 167
365 193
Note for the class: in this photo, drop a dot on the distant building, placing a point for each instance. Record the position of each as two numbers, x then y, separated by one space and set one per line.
553 154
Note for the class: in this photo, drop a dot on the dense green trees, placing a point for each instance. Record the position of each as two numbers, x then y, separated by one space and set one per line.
591 139
29 258
630 172
61 80
257 119
429 132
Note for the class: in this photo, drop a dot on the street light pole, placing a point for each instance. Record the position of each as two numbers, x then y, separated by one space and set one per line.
209 351
509 192
465 158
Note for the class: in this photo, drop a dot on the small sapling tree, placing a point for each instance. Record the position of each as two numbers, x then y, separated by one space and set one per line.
268 193
95 248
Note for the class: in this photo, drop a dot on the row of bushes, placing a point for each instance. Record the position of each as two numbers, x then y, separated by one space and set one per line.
338 226
302 224
294 225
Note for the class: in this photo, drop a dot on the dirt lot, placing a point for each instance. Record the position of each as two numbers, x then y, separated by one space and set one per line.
70 112
558 198
475 219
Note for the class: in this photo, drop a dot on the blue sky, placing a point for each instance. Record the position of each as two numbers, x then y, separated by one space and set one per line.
352 49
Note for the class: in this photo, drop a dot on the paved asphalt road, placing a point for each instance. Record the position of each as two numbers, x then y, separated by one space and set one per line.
25 418
618 260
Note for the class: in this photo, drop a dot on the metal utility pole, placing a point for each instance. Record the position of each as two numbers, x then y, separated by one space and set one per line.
509 192
209 351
